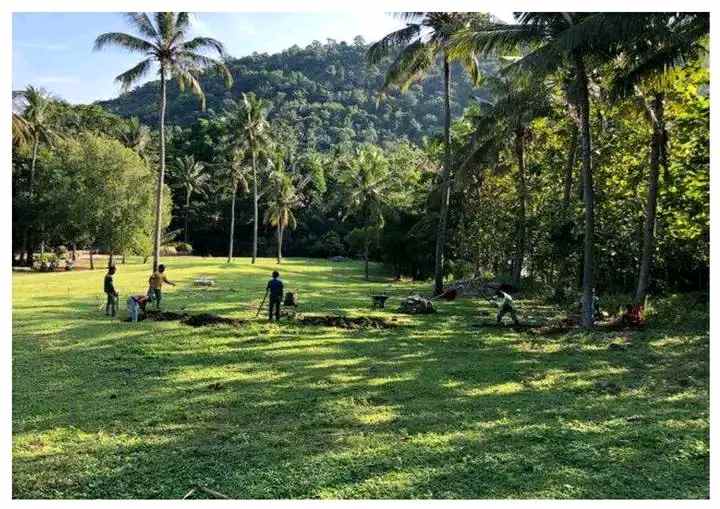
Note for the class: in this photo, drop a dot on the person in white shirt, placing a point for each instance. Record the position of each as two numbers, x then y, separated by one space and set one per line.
505 305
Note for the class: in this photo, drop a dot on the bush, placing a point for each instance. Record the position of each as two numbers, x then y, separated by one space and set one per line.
61 252
168 250
47 262
183 248
330 244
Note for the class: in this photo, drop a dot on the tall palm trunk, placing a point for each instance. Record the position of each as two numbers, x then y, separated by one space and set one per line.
26 248
161 176
444 186
280 241
232 224
522 194
187 214
366 254
657 115
255 206
568 177
588 193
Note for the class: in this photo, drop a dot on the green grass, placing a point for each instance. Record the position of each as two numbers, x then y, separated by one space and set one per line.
436 408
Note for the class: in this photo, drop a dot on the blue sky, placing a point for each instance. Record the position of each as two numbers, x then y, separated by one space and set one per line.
54 50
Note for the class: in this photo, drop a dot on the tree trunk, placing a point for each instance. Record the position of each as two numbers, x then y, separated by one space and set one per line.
522 194
572 154
92 263
26 248
187 215
161 175
444 187
280 241
255 207
232 224
110 260
588 193
124 260
367 259
657 114
74 252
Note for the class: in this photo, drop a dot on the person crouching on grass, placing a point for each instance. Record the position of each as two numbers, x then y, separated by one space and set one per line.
112 294
156 281
275 287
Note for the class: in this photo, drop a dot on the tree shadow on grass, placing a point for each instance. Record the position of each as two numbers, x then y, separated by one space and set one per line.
433 410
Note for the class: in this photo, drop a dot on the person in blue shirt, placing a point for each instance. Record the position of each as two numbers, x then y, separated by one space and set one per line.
275 288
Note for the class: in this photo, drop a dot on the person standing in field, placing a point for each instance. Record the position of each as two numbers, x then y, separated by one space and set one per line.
505 305
112 294
156 281
275 287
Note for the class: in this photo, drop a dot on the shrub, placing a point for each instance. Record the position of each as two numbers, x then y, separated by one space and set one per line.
183 248
330 244
168 250
47 262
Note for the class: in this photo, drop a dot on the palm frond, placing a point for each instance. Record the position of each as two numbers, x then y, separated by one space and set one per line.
125 41
135 74
412 61
201 43
380 49
141 22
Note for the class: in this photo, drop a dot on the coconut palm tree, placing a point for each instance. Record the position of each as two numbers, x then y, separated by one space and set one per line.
248 120
163 42
20 130
558 41
135 136
36 125
366 181
236 172
640 72
280 208
421 43
192 178
519 101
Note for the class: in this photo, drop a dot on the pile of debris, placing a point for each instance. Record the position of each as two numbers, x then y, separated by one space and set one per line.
164 316
477 287
203 281
416 305
344 322
210 319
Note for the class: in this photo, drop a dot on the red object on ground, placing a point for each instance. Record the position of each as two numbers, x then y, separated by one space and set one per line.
450 294
635 314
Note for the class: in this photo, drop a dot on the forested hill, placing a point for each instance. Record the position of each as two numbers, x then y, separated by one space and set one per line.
327 92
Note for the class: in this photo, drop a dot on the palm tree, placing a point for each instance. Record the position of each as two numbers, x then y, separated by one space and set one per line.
558 41
366 180
668 40
249 121
236 171
422 42
165 44
519 101
135 136
20 130
35 123
280 208
191 177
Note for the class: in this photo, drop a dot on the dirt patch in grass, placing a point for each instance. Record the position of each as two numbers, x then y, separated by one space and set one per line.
204 319
164 316
344 322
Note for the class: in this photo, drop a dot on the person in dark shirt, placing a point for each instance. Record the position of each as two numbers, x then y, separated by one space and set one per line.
112 294
275 287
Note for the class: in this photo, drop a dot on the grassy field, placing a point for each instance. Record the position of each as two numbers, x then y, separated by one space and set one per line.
435 408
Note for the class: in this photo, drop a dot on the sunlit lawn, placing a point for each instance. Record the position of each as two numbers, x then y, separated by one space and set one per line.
436 408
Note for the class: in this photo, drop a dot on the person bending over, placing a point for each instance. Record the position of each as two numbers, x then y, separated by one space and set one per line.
505 305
